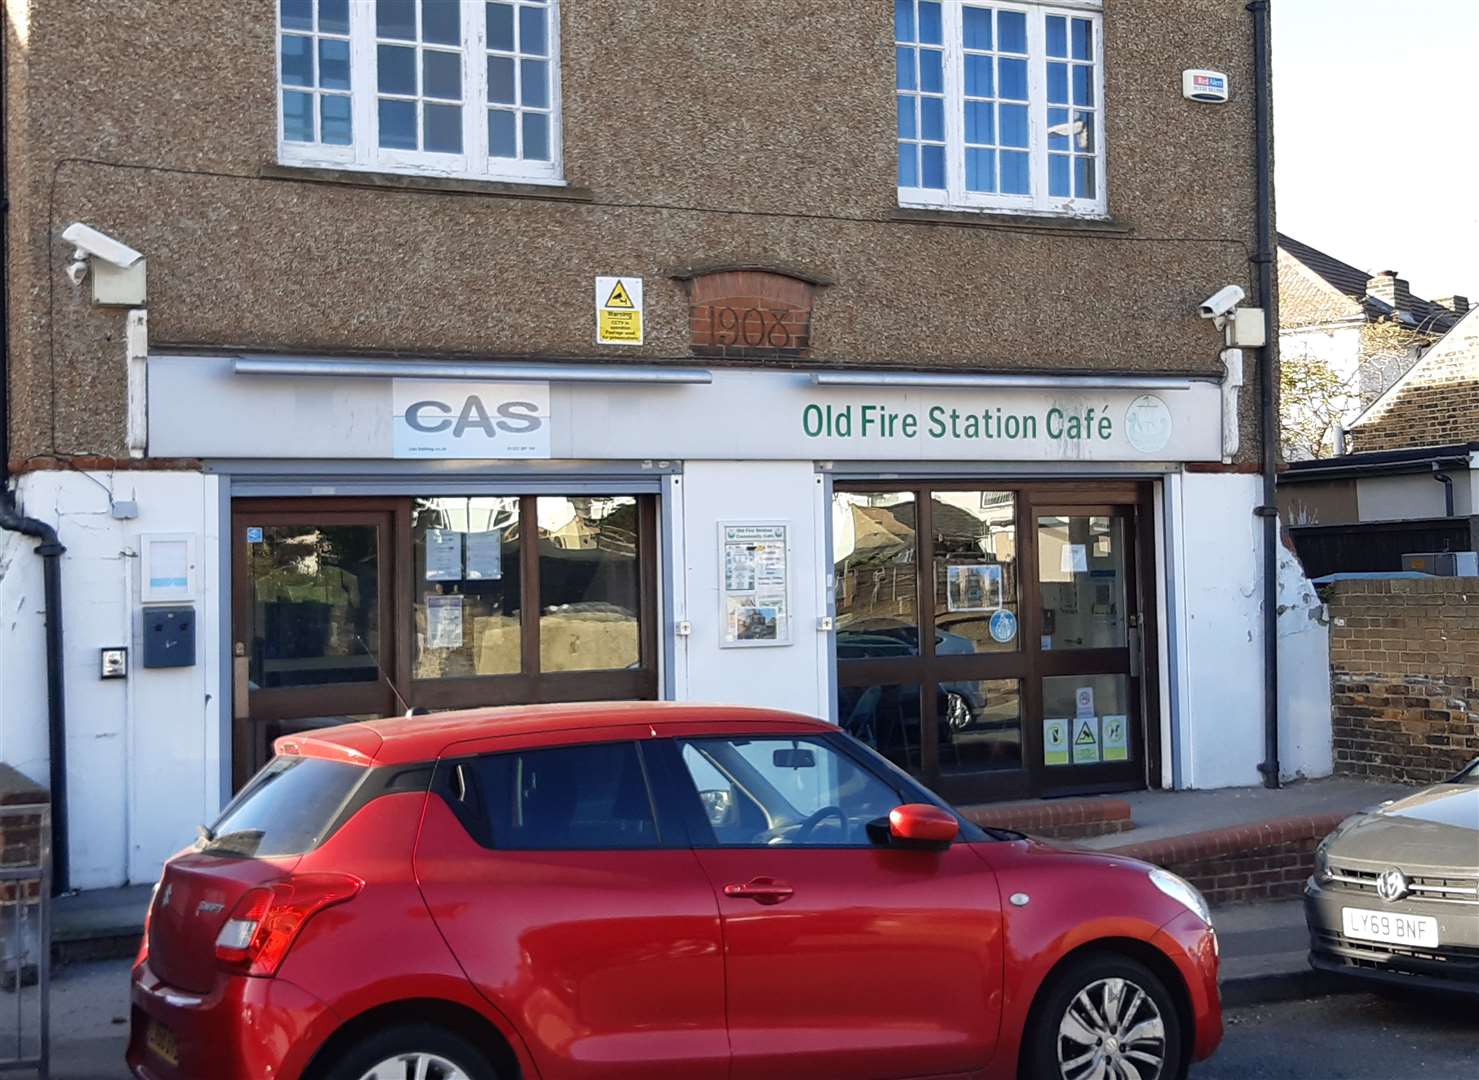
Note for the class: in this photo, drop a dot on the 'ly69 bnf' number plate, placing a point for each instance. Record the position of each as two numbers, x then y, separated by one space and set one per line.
1391 928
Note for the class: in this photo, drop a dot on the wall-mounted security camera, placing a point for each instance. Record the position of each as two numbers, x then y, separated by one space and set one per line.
119 272
1220 303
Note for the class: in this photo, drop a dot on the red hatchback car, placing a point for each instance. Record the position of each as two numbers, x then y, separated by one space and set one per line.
664 892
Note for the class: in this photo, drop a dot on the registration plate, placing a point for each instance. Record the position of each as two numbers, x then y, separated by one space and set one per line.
162 1044
1391 928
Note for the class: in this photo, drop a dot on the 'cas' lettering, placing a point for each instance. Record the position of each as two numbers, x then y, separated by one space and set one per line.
415 420
474 415
518 417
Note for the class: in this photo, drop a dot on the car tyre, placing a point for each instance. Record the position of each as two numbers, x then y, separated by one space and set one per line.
386 1054
1073 1033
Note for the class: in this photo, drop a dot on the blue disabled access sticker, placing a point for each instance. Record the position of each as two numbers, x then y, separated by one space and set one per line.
254 534
1004 626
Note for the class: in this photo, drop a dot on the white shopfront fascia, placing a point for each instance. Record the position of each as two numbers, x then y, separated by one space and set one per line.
203 407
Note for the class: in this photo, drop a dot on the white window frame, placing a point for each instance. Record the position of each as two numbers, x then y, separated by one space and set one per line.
474 163
1040 203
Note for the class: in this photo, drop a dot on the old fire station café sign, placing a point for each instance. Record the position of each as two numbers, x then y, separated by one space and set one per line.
200 407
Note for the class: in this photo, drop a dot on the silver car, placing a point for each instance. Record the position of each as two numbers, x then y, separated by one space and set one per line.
1395 893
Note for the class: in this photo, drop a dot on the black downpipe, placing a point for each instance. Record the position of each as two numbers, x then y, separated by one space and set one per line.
1269 511
1447 482
50 548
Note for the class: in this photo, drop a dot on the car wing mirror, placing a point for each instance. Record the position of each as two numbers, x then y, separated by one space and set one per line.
920 826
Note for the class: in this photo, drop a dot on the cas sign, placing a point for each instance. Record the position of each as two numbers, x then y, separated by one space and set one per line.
449 419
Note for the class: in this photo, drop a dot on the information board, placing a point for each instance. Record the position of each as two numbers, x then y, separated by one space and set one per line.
754 584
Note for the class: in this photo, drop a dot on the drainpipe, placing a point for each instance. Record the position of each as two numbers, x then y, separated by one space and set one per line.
49 548
1447 482
1269 511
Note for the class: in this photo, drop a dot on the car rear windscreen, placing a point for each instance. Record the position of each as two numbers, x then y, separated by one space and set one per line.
287 809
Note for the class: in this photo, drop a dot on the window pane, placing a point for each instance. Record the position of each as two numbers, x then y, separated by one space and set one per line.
534 83
1091 715
1057 84
1059 133
1016 174
1013 125
441 21
931 71
1012 78
873 552
536 136
932 118
908 121
465 558
337 126
441 75
1083 39
977 28
297 117
398 125
1057 36
904 20
980 725
315 605
781 792
932 162
575 798
980 170
533 31
1059 176
1083 132
501 80
1083 84
979 130
396 19
589 578
396 69
1083 177
978 80
1011 32
885 718
296 14
975 571
905 59
1081 571
502 139
442 125
908 165
501 27
333 64
930 27
297 60
333 16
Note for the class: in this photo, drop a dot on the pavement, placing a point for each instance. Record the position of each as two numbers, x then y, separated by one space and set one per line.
89 1020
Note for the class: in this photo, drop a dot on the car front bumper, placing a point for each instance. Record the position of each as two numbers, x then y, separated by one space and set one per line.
1192 946
1453 965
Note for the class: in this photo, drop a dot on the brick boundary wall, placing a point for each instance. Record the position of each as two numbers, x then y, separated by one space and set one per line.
1404 669
1267 860
1059 819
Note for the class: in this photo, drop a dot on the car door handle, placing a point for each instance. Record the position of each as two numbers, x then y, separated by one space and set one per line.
761 890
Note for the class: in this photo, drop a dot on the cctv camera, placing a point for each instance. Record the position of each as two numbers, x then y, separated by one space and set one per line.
91 243
76 271
1220 304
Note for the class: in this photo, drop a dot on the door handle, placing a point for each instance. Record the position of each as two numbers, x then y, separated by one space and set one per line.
761 890
241 685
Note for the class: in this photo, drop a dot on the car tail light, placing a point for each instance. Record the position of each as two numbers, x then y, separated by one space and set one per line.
265 921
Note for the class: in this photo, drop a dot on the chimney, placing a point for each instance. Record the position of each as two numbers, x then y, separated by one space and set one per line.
1459 305
1390 290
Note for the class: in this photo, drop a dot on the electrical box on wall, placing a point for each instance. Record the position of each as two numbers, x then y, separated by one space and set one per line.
168 568
169 637
1202 85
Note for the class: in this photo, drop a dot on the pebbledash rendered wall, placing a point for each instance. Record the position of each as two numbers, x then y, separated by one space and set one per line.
1404 667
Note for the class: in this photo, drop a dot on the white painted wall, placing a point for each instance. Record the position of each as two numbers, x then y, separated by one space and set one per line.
1412 495
787 677
143 761
1305 748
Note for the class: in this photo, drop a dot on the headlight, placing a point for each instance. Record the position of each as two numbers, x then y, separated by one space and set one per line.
1322 863
1183 893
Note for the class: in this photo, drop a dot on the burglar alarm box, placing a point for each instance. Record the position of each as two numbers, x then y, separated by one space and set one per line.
169 637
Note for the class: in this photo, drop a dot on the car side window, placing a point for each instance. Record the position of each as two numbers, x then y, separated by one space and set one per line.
570 798
777 791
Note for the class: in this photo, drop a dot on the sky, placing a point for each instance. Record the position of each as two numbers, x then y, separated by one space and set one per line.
1376 127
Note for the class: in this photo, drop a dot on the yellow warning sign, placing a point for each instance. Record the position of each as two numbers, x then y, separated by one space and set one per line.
1086 740
618 311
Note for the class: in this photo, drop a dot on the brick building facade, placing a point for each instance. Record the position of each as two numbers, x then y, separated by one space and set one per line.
1436 403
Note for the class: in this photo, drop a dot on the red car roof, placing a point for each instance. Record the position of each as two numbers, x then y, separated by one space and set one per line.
406 739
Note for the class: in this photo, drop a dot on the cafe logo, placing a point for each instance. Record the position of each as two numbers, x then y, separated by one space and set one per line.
1148 424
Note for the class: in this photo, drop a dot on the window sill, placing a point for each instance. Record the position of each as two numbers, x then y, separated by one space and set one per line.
1006 219
445 184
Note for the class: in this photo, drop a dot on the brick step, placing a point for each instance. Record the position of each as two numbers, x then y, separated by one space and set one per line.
1259 861
1055 819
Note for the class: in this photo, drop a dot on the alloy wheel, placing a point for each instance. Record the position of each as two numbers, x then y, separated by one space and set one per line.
1111 1030
416 1066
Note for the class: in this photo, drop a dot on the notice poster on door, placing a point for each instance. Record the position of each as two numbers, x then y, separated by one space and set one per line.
444 622
443 555
756 587
1086 740
485 556
1116 738
1055 742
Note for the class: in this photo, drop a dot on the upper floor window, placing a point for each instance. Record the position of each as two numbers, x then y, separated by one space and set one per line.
465 88
1000 106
